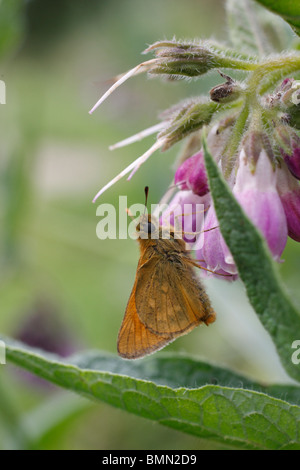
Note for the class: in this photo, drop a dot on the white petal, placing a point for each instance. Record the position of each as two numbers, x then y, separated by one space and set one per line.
139 136
159 143
121 80
133 166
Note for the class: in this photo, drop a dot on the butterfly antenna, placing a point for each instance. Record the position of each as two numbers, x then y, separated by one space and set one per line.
146 197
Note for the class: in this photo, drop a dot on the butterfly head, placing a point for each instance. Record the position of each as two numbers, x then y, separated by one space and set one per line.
148 227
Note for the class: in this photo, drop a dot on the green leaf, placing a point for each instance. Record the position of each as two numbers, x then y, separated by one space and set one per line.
245 31
233 416
256 269
49 420
289 10
11 25
12 434
254 29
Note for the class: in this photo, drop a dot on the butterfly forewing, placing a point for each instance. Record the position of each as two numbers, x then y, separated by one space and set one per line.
169 298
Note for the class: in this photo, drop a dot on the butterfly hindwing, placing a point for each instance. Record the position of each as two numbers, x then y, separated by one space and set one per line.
169 298
134 339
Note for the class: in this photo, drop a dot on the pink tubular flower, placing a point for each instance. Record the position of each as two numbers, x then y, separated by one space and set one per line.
186 203
289 145
257 194
191 174
292 161
187 210
289 192
215 252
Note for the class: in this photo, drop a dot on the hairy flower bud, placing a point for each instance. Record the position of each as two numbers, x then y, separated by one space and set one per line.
180 60
190 116
253 144
290 92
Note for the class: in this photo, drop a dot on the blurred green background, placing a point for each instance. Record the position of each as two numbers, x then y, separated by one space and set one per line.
61 288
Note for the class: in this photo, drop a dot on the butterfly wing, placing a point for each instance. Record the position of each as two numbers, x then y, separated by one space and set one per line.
134 339
169 298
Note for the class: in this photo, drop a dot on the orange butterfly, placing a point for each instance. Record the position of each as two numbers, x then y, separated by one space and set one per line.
167 299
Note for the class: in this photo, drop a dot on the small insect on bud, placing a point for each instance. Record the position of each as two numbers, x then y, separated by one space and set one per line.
228 91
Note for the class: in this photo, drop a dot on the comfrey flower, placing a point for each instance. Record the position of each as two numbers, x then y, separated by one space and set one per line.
289 143
257 194
186 211
289 192
255 188
215 255
192 175
252 133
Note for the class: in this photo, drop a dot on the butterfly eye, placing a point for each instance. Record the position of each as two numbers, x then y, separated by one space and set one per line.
146 228
151 228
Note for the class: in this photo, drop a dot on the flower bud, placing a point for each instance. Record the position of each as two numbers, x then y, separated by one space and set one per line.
253 144
289 95
180 60
285 85
218 136
187 118
290 92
